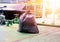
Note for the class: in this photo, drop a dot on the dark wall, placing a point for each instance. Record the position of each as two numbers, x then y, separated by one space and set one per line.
10 14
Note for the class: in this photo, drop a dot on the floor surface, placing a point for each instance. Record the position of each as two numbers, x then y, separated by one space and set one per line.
46 34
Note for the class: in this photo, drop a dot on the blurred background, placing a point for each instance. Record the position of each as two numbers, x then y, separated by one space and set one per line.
45 11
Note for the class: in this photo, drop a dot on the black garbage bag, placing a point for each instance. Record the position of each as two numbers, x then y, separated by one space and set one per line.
27 24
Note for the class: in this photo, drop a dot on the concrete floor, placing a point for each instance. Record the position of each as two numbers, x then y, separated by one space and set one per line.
46 34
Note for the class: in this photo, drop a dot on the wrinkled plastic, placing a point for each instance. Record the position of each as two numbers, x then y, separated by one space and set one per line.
27 24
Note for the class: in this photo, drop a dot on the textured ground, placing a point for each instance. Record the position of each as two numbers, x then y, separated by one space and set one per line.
46 34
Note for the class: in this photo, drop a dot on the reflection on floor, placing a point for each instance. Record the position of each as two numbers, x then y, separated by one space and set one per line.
47 34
